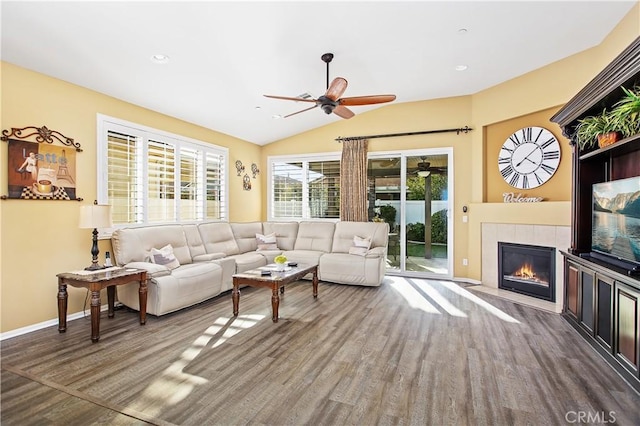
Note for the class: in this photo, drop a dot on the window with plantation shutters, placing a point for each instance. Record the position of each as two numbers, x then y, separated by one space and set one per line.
323 179
149 176
304 189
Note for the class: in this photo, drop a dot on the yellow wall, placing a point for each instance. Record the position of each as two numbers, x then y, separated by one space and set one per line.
40 238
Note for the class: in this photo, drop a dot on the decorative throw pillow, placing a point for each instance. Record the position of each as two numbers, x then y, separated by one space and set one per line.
360 246
267 242
164 256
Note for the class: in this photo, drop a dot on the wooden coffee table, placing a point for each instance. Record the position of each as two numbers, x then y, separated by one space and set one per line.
277 280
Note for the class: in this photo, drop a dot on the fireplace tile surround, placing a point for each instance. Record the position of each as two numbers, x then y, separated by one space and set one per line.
541 235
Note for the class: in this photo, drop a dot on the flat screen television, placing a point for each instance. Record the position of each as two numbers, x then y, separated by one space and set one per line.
615 231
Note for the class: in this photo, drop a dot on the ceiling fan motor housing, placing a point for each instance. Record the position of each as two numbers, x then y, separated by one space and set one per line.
326 104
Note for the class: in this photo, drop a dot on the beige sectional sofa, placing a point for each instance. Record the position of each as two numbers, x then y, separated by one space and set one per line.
206 255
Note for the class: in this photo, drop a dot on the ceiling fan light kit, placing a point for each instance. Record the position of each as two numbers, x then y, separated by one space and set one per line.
331 101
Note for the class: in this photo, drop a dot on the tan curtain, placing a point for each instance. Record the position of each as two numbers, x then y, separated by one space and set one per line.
353 180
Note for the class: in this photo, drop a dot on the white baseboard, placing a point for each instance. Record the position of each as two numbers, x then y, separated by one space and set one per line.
45 324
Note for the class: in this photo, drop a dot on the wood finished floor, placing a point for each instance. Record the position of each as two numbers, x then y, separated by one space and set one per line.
409 352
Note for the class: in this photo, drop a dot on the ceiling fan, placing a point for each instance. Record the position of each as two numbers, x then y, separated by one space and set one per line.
331 102
424 168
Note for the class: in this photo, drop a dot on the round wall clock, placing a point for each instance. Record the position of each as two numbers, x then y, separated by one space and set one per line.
529 157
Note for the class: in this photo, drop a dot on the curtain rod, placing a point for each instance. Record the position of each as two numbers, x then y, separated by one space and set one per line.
465 129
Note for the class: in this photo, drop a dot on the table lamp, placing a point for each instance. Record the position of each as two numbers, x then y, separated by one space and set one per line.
95 216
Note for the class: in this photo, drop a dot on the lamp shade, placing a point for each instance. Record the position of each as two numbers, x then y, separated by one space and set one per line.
95 216
424 173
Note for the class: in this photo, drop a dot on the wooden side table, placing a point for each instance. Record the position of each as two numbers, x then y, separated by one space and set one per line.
96 281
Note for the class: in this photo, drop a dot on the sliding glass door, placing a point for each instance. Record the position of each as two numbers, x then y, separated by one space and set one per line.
411 191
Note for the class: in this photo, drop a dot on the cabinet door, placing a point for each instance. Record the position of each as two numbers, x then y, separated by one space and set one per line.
587 299
604 310
627 317
572 279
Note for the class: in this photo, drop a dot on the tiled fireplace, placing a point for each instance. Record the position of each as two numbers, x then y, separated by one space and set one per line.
551 236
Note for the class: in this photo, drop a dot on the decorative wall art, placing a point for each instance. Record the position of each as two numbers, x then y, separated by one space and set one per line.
255 170
246 183
40 170
239 167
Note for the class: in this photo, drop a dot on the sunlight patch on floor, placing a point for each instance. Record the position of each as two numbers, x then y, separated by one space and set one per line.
478 301
412 296
174 385
435 295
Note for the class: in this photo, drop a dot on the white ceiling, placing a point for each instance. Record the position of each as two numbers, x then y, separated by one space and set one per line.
225 55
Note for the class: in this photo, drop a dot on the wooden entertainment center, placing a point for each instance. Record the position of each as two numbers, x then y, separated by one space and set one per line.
602 296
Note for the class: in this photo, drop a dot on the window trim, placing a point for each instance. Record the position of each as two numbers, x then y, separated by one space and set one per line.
105 123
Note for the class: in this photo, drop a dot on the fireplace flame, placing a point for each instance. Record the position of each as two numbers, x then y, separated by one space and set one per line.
526 272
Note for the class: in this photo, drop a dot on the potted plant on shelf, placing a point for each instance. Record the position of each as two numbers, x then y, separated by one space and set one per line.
603 129
627 112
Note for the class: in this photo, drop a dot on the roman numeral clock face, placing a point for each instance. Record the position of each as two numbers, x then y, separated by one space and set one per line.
529 157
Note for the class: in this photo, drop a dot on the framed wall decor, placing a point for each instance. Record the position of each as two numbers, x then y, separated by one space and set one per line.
40 169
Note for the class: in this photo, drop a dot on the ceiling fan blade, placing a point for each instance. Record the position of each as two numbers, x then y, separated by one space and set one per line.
287 98
298 112
343 112
367 100
336 88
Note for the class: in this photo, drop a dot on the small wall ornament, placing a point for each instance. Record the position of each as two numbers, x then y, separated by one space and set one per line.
246 183
255 170
239 167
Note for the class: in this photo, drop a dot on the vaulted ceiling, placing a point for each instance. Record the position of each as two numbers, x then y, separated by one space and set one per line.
223 56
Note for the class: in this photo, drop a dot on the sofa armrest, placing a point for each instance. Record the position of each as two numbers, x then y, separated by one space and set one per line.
376 252
209 256
153 270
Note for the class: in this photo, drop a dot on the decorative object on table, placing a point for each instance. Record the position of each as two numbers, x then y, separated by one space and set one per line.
255 170
107 260
529 157
281 262
246 183
95 216
239 167
38 169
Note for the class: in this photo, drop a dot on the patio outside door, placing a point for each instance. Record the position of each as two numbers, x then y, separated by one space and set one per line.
411 192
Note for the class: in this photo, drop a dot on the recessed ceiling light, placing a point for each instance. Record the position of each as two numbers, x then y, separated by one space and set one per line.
258 107
462 31
160 59
276 116
461 67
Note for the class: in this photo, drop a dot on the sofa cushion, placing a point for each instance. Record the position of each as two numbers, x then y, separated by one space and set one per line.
345 231
153 270
346 268
218 238
134 244
316 236
267 242
164 256
185 286
286 233
194 240
360 246
247 261
245 235
304 257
